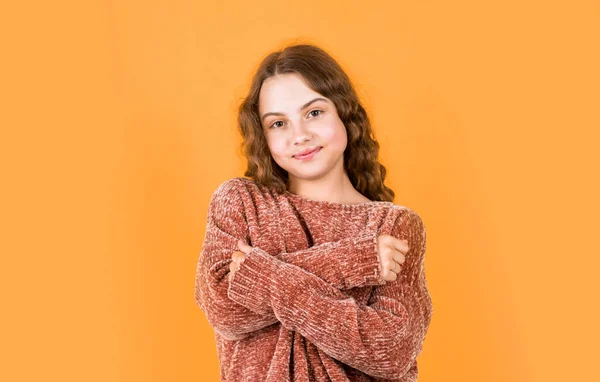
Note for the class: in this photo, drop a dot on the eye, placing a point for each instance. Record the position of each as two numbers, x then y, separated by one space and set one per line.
312 111
274 123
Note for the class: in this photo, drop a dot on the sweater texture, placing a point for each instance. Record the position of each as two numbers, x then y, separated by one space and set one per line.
308 303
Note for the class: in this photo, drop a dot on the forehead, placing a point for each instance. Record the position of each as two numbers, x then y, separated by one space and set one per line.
284 92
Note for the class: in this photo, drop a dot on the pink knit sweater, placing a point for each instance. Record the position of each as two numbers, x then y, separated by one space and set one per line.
308 303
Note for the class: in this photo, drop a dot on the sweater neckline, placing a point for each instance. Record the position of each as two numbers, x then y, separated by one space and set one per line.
326 203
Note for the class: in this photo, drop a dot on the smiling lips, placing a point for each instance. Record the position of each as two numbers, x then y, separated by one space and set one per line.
307 152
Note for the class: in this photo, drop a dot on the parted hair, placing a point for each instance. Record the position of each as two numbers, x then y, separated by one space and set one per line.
325 76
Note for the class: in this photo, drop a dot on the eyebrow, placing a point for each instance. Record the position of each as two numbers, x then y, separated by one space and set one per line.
301 108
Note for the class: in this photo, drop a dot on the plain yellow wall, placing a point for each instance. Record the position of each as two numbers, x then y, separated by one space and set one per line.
118 123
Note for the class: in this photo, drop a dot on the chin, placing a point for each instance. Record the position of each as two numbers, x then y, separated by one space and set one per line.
314 174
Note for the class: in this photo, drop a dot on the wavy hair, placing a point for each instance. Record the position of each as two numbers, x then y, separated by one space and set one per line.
325 76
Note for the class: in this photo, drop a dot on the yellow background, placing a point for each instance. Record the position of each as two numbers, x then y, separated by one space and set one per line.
118 122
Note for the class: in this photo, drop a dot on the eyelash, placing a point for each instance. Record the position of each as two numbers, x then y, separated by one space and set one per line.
321 112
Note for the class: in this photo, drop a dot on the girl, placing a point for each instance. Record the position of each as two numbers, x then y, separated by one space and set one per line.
308 271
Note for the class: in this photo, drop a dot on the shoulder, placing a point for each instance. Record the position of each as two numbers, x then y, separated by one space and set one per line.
237 183
396 210
238 200
227 187
225 195
226 209
231 188
239 191
406 221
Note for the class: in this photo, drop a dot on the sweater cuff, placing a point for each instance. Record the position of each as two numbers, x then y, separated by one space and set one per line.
250 284
362 266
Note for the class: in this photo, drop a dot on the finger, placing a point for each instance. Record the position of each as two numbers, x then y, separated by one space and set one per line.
400 245
396 244
238 257
244 247
392 267
399 257
392 276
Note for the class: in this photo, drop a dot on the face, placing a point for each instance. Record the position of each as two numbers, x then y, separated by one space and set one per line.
292 122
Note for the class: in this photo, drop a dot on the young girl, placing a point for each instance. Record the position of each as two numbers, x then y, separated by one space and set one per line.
308 271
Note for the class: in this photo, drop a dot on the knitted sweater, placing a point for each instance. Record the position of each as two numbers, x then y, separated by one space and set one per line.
308 303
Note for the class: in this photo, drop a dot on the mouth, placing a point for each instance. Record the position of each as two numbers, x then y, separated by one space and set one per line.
308 154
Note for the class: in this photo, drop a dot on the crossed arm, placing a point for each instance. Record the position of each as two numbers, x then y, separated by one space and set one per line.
302 291
344 264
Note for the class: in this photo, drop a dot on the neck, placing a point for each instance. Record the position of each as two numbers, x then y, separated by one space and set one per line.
335 187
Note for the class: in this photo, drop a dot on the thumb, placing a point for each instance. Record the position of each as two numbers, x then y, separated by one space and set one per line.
242 245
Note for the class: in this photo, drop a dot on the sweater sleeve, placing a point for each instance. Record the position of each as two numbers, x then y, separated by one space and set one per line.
347 263
382 338
226 224
350 262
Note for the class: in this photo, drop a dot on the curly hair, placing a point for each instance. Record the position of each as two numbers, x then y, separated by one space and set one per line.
325 76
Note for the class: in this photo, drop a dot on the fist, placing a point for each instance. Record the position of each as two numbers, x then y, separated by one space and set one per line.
238 258
392 252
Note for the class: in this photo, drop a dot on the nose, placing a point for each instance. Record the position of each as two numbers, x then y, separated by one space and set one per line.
301 139
301 134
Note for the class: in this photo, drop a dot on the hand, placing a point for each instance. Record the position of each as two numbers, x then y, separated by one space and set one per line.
238 258
391 253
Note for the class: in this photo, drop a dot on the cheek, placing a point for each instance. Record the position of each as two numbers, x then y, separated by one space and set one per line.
335 136
277 148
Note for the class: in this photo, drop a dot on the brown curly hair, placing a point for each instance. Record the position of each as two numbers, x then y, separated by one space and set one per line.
325 76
